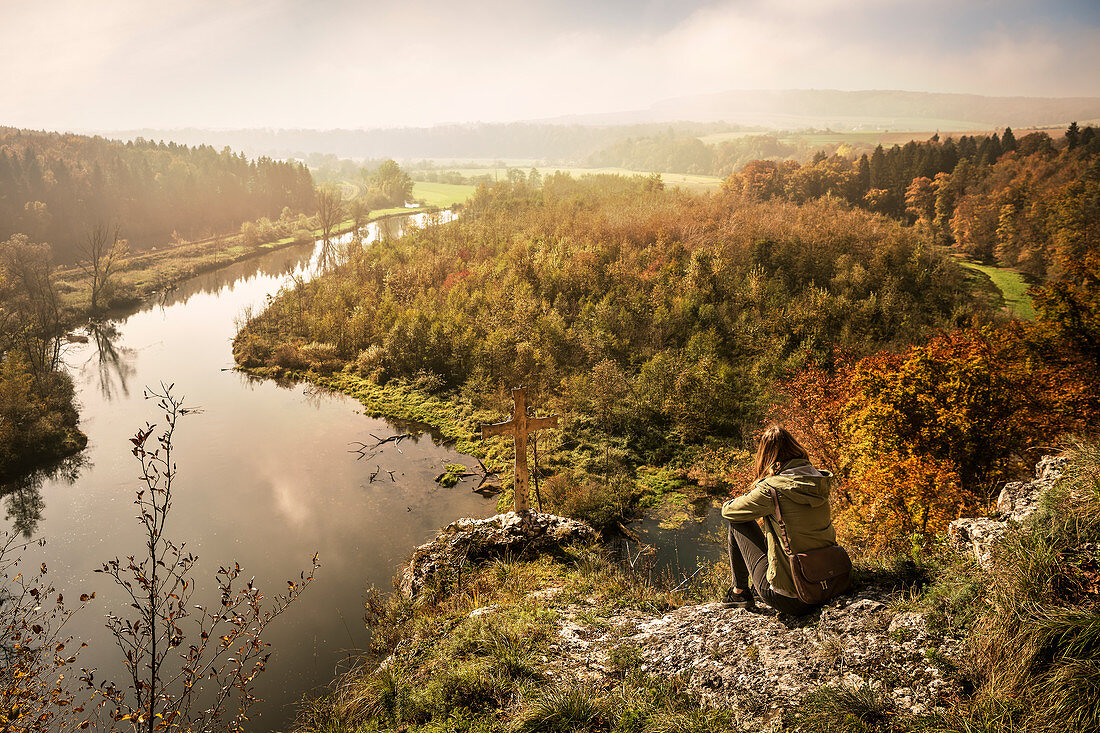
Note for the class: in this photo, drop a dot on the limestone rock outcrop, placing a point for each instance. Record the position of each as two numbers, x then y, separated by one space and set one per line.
1016 502
468 541
759 663
762 663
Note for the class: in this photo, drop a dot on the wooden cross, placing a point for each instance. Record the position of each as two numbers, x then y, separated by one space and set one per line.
519 426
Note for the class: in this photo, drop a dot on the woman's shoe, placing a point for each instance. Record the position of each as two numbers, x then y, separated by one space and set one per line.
743 599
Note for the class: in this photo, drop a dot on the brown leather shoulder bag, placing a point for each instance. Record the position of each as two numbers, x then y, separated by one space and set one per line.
818 574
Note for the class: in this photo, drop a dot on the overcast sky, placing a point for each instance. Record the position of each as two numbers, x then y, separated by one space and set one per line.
114 64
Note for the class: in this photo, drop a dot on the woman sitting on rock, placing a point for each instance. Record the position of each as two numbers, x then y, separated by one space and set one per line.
803 493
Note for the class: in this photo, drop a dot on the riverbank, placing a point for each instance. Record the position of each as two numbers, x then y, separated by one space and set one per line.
146 273
50 423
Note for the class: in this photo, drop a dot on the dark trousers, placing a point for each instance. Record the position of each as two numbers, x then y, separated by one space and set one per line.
749 559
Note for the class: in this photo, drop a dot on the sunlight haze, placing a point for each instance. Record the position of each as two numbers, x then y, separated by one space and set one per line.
119 64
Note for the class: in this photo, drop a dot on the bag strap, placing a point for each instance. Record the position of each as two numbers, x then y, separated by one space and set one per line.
785 544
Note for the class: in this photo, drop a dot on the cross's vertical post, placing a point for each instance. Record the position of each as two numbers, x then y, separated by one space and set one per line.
519 426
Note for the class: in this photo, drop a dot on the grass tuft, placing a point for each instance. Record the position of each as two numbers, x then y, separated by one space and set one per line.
562 709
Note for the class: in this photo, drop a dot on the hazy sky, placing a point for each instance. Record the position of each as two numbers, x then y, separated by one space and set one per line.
112 64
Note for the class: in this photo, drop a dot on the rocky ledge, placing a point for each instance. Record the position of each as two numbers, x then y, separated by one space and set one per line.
761 663
757 662
1016 502
468 541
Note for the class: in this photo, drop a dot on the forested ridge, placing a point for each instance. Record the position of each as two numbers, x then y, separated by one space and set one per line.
56 187
1026 203
1022 202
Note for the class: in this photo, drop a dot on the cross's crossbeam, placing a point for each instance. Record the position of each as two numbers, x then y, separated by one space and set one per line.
519 426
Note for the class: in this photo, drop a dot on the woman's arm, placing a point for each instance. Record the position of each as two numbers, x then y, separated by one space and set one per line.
753 505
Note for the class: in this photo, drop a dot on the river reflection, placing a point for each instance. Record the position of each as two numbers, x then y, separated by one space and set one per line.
114 365
265 476
23 501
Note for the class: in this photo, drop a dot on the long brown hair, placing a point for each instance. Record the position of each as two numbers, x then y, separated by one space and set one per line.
777 446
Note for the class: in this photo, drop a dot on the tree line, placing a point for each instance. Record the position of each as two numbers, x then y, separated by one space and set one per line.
1017 203
57 187
672 151
1001 199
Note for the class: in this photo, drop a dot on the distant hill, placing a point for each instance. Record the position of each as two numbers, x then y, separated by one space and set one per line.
517 140
575 137
871 109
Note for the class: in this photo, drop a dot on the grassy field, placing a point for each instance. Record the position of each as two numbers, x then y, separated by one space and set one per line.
687 181
441 194
1012 285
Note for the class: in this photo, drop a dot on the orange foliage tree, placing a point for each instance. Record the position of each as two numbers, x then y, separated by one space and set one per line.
923 436
898 503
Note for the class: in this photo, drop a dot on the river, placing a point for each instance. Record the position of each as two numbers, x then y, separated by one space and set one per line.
265 479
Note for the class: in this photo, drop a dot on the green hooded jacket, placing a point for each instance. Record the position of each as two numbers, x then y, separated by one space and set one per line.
804 500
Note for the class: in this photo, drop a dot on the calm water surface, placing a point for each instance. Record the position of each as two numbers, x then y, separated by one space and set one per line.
265 478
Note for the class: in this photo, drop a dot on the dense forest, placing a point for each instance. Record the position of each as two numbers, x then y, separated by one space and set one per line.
58 187
1028 203
672 152
548 284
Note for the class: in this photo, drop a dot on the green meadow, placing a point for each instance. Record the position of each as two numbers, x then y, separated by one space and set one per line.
442 194
1012 285
688 181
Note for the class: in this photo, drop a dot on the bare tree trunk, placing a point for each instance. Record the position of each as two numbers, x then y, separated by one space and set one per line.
100 253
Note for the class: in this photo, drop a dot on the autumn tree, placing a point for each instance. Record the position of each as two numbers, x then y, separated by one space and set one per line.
330 213
360 214
30 306
1069 304
393 183
100 255
917 438
920 200
897 504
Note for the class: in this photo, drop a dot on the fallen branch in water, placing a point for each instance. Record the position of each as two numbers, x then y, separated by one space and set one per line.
364 450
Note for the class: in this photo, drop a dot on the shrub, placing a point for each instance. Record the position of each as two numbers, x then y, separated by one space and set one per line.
287 356
600 503
251 352
371 362
321 357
